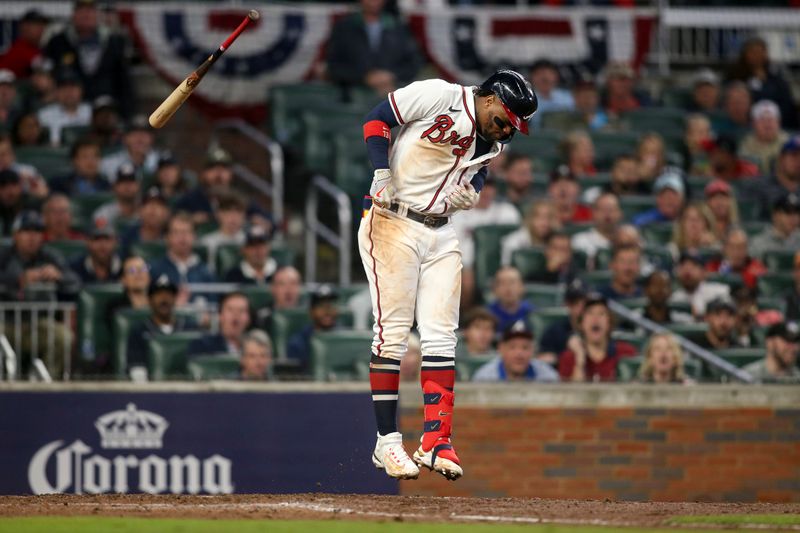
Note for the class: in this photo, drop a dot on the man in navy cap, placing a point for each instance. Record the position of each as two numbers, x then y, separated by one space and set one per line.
101 264
784 234
126 199
785 180
256 267
516 360
137 150
324 314
780 362
69 109
670 195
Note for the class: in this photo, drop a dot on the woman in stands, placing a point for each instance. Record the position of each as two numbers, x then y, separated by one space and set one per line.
577 152
663 360
721 208
692 232
591 354
540 221
651 156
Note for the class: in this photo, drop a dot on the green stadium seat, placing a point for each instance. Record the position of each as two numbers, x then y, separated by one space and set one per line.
167 358
335 354
658 234
215 366
49 161
633 205
676 97
753 228
602 259
544 295
124 321
596 279
577 227
659 256
287 102
749 209
487 251
542 318
539 144
697 185
693 332
775 284
565 121
601 179
69 250
529 261
780 260
732 280
741 357
94 336
467 366
320 128
631 338
608 145
259 297
656 119
71 134
287 322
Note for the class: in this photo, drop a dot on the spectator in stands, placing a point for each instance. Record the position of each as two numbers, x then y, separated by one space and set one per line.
764 143
372 48
693 287
256 267
736 260
27 262
21 53
41 85
324 314
57 217
234 319
591 354
181 264
587 103
33 184
749 316
162 295
625 269
545 77
516 361
68 110
28 131
657 290
670 197
135 281
625 177
124 207
9 111
85 177
286 287
509 303
577 152
153 217
479 331
518 175
169 177
693 231
13 199
663 360
554 339
620 96
764 81
721 320
736 107
412 360
230 215
784 233
705 91
720 208
489 211
793 298
256 362
785 179
725 163
101 264
558 267
99 54
697 133
564 192
606 215
138 150
651 158
540 221
105 128
780 362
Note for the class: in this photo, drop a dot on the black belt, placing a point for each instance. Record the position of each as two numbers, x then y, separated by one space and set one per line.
430 221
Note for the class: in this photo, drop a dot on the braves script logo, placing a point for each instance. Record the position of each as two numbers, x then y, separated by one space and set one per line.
59 468
438 134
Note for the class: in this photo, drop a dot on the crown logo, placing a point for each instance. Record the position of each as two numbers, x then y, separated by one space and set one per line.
131 428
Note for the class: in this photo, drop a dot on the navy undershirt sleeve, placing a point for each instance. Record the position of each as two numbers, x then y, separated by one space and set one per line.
378 147
482 148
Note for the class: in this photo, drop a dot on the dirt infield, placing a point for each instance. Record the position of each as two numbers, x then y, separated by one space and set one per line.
376 508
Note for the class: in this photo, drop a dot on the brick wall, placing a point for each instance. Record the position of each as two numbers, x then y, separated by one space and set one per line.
621 453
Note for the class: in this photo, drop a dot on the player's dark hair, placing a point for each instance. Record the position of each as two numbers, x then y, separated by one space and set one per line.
479 91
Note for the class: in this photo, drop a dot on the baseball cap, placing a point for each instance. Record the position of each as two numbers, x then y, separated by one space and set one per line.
138 123
256 235
669 180
765 108
218 156
28 221
705 76
126 172
725 143
166 159
100 231
7 77
595 298
323 294
519 328
789 331
8 177
68 76
720 304
162 283
562 172
34 15
575 291
42 64
620 69
153 194
789 203
717 186
103 101
792 145
691 256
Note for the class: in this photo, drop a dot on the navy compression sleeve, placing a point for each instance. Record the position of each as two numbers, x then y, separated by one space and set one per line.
479 177
377 126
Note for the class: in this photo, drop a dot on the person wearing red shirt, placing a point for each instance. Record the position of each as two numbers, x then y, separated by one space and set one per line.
725 164
591 354
564 192
620 91
736 260
19 56
57 218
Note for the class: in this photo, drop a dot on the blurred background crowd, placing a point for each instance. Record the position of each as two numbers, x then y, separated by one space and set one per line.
124 256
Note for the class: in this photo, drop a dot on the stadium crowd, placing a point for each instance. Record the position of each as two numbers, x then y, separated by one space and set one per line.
691 219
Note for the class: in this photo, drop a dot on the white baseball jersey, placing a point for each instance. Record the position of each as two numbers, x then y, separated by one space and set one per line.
433 152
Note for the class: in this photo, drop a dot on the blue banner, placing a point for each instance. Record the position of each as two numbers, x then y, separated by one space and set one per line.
188 443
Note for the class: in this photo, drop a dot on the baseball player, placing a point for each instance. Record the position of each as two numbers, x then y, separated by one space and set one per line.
448 134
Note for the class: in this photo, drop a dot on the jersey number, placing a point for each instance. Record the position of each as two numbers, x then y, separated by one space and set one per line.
438 134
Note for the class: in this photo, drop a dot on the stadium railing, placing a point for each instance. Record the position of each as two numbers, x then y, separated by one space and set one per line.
315 229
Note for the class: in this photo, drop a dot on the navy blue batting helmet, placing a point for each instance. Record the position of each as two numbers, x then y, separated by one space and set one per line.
516 96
